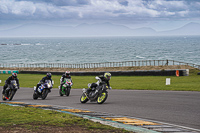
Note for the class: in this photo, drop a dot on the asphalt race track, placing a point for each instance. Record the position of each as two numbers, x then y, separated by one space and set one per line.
174 107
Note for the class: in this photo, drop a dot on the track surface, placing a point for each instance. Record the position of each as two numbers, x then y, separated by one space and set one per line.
173 107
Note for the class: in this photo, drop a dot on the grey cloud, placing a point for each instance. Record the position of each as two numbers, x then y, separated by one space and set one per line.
123 2
106 10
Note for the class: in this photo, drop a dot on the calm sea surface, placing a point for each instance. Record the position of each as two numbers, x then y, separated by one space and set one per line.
99 49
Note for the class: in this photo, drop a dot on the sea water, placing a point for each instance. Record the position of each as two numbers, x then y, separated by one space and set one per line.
76 50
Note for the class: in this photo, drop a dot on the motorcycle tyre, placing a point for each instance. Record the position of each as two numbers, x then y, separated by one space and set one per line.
67 91
100 100
12 93
35 96
44 93
60 92
83 98
3 97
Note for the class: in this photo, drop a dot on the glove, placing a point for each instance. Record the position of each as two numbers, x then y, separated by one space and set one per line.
110 88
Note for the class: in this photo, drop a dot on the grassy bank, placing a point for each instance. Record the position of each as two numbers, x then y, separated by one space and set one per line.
28 119
182 83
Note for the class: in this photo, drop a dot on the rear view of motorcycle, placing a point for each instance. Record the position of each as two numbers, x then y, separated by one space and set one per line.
10 91
43 90
66 87
98 94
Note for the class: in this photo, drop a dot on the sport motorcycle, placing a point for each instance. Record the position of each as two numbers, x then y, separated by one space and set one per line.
43 90
66 87
10 90
98 94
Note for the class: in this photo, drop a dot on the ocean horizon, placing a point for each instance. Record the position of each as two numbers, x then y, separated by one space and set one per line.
79 50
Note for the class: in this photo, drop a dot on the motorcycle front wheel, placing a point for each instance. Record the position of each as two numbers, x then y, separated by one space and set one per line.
67 91
35 96
11 94
60 92
83 98
102 97
44 93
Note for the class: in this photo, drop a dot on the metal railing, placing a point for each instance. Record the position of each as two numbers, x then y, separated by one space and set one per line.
98 65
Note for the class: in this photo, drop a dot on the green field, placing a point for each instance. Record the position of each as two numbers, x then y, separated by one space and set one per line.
182 83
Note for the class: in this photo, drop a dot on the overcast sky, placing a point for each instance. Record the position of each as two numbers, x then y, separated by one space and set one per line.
157 14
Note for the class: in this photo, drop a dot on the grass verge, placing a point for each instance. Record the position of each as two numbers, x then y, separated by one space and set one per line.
182 83
28 119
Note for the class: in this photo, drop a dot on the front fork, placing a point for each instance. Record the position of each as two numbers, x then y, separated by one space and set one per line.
85 92
63 90
86 95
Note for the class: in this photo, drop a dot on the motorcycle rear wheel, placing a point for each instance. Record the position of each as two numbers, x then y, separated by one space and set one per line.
4 97
83 98
102 98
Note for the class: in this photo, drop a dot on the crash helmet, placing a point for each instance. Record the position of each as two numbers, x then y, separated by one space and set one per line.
14 75
67 73
49 75
107 76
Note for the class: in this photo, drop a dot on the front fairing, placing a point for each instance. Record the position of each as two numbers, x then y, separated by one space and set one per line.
67 82
47 84
13 83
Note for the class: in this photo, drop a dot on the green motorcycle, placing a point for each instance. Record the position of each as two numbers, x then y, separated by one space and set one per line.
66 87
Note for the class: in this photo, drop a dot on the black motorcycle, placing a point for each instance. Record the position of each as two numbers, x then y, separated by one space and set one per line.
98 94
10 91
43 90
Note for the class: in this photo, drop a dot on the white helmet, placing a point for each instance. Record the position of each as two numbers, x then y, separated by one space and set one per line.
67 73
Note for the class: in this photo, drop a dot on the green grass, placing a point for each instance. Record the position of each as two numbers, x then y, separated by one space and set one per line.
28 116
182 83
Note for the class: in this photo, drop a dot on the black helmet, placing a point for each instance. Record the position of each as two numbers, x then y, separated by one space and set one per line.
107 75
14 75
49 75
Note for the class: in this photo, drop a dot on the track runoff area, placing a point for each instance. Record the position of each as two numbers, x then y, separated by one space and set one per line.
125 122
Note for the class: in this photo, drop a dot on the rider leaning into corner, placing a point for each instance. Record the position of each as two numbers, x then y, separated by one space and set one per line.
66 75
47 77
101 80
7 82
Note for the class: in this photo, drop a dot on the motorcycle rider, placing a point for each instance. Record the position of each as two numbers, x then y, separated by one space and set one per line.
65 75
47 77
101 80
8 81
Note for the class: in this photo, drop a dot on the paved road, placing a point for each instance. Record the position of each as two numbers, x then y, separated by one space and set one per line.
174 107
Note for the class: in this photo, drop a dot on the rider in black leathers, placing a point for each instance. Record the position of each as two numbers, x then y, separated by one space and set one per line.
66 75
103 79
7 82
47 77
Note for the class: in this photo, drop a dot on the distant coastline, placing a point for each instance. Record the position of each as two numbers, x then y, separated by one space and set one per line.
95 30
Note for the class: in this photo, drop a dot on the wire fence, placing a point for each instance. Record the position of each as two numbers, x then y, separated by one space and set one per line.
98 65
